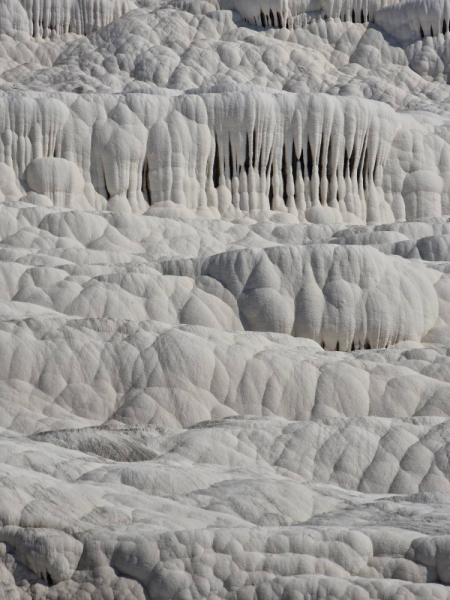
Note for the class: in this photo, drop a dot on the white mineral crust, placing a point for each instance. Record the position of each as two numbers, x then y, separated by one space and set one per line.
224 300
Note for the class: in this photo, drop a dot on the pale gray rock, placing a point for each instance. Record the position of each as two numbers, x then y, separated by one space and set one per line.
224 300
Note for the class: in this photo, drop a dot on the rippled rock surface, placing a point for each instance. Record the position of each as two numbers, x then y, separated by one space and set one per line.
224 300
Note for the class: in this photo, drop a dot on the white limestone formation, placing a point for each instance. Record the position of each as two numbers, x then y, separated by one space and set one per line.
232 154
224 300
297 13
48 18
414 20
422 29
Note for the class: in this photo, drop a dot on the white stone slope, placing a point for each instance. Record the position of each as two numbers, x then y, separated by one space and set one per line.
224 300
110 496
265 507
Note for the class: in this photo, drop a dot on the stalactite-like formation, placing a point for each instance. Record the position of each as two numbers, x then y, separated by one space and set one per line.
294 14
243 153
416 19
314 157
323 153
47 18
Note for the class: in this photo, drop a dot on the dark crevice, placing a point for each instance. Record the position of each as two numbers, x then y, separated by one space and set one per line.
254 148
422 35
319 166
323 156
108 195
375 168
294 161
302 165
329 173
230 160
321 163
310 160
145 182
247 155
362 160
352 161
284 174
280 20
271 187
216 167
364 170
353 16
272 18
263 19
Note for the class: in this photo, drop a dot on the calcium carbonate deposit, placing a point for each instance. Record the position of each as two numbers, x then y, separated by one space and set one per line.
224 300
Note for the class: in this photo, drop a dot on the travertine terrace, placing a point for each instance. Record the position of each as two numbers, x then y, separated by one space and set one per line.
224 300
